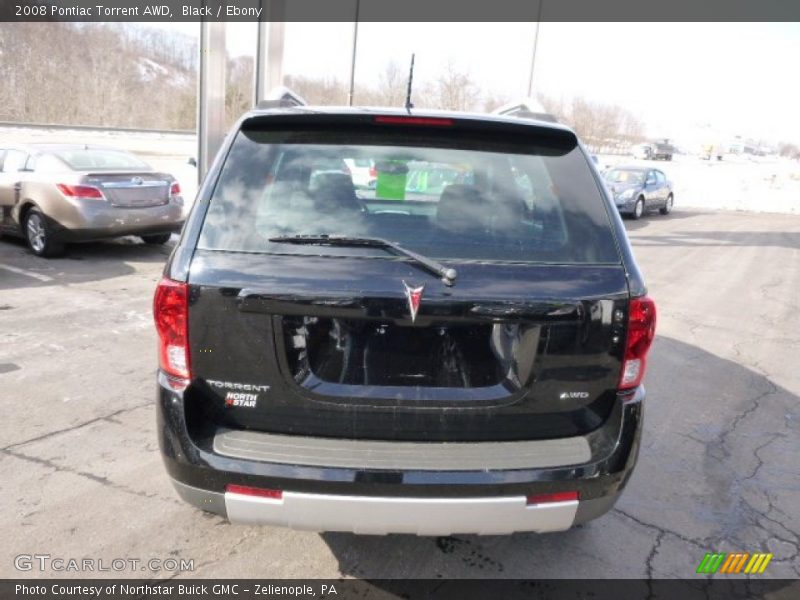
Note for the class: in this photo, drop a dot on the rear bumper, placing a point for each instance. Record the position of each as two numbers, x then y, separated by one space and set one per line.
380 515
83 220
420 499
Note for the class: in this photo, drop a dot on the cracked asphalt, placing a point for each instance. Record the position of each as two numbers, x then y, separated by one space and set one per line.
719 469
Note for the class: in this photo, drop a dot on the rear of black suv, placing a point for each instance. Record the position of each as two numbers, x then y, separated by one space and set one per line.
457 347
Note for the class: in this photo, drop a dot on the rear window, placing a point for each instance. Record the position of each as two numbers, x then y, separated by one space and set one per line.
623 176
90 159
438 194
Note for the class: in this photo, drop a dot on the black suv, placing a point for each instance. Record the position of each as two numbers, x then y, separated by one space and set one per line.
456 348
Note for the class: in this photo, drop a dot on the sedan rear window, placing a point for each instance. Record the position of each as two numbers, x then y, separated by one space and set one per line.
438 195
92 159
623 176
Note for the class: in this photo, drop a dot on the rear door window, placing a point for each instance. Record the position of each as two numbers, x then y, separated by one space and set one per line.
440 195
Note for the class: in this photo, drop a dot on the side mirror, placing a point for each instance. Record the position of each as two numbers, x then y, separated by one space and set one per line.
192 161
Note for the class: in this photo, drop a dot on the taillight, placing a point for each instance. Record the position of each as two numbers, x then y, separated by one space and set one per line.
80 191
641 331
171 312
246 490
175 189
424 121
373 172
551 498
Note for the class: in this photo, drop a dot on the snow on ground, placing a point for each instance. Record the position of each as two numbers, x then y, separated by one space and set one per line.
758 184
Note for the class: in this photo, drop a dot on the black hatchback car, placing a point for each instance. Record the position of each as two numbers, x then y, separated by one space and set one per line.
456 349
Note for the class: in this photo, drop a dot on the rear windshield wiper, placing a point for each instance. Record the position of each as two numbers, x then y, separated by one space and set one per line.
447 274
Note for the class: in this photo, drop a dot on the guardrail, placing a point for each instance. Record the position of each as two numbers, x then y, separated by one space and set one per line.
61 126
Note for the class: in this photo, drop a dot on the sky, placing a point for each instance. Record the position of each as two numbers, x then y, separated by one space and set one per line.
735 78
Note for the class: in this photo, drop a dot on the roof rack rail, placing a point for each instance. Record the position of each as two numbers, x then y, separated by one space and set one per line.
526 108
281 97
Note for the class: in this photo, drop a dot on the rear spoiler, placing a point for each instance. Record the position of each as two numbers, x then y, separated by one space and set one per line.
474 132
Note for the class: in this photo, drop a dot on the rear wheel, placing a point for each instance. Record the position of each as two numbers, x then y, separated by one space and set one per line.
161 238
638 209
39 235
668 206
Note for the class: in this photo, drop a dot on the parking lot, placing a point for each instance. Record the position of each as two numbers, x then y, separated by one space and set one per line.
718 471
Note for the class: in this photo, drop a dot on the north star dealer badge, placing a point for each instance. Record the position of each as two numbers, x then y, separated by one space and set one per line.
244 395
241 399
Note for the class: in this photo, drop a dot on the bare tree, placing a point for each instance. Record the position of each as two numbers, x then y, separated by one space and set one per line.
117 77
392 84
554 106
135 76
454 90
493 101
583 118
323 91
631 128
600 125
239 87
789 150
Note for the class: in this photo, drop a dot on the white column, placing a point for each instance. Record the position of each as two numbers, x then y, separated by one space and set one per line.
268 70
210 95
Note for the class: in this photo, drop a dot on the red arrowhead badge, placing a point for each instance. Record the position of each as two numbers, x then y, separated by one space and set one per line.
414 296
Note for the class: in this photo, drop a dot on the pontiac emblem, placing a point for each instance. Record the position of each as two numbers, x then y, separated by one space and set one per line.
414 296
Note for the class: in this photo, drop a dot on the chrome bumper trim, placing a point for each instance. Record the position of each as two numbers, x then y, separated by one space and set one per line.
394 455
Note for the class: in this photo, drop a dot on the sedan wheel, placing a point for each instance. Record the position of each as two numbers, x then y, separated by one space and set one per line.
37 234
668 206
638 209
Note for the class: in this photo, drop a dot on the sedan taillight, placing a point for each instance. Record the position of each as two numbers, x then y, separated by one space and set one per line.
171 313
80 191
641 331
175 189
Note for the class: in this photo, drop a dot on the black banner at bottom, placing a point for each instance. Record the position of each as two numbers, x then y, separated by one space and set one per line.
462 589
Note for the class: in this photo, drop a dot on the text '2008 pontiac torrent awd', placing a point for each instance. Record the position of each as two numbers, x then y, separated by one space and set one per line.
455 346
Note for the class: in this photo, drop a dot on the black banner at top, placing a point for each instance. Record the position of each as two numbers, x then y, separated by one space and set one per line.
399 10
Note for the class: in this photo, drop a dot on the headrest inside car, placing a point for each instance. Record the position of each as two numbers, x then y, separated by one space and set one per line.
462 207
334 192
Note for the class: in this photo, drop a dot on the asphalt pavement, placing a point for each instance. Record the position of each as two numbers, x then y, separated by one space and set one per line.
81 474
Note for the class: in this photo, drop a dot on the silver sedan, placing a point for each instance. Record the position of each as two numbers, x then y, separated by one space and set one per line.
54 194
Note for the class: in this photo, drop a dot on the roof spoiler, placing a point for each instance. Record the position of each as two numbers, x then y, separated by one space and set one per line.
281 97
526 108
